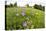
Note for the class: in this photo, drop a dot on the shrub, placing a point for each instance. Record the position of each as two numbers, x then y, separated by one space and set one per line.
40 7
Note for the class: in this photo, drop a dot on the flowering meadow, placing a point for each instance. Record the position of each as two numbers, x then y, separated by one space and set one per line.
24 18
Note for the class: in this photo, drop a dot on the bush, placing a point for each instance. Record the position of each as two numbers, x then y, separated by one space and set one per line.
40 7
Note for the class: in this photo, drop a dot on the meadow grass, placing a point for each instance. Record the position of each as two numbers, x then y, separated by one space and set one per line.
14 19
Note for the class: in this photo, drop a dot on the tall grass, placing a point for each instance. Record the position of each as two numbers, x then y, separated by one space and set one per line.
33 17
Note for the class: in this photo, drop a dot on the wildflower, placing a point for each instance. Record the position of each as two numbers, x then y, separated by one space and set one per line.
23 14
24 24
17 14
23 10
29 23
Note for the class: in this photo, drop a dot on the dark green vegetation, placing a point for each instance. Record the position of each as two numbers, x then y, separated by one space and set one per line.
40 7
33 17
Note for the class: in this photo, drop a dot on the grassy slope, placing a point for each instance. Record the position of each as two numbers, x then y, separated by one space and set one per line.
36 16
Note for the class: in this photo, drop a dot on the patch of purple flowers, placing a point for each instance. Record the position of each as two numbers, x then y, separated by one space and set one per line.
23 14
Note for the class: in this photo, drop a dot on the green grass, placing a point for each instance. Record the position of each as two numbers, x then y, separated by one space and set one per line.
36 18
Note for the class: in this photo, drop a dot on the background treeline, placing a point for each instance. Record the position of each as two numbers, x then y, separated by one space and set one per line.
40 7
11 5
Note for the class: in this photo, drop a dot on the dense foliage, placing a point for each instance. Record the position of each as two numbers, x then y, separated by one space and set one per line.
40 7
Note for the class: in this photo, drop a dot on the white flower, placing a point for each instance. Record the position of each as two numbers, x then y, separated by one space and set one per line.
17 14
23 14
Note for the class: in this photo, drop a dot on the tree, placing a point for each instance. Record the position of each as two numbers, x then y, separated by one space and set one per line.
40 7
11 5
43 8
15 4
27 5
